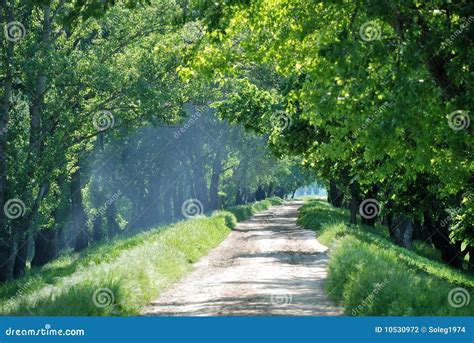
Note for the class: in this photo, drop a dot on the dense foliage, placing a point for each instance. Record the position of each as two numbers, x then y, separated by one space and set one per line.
375 96
99 136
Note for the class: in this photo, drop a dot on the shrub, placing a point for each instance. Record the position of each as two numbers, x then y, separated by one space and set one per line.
275 201
244 212
369 275
229 217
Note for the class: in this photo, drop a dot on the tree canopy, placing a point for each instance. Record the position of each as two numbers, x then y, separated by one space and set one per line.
375 96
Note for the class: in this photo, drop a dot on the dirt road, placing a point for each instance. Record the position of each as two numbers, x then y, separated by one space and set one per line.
267 266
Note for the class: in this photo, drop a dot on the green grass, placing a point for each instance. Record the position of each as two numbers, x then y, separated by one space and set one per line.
132 271
426 250
244 212
124 274
369 275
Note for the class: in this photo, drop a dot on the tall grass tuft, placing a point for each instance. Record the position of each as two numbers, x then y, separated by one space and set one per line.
244 212
369 274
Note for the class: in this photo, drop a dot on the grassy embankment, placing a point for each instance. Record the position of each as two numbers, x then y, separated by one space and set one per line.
370 275
121 276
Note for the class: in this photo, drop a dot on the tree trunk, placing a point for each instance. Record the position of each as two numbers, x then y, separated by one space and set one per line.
138 214
7 251
168 206
97 233
152 215
6 241
79 219
470 251
62 244
355 200
35 147
177 215
112 225
354 210
45 246
259 193
200 184
215 179
20 257
402 229
335 196
440 238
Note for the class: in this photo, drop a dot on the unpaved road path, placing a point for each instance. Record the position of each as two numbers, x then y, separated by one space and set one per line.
266 266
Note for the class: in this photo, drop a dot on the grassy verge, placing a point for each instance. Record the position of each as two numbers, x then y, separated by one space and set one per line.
118 277
244 212
370 275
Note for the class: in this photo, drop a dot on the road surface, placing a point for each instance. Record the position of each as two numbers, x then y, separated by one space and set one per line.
266 266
